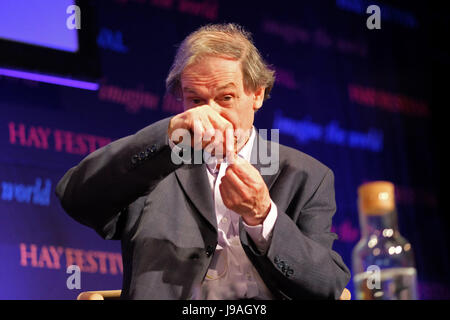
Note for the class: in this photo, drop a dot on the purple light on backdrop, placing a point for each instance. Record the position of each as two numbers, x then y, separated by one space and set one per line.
38 22
49 79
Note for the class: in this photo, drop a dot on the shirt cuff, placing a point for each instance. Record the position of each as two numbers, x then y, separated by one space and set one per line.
261 234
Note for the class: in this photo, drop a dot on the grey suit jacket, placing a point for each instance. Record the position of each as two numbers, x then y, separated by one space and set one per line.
164 216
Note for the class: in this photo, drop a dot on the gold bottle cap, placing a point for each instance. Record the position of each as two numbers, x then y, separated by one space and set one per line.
376 198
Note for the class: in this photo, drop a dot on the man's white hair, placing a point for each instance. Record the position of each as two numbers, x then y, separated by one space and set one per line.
229 40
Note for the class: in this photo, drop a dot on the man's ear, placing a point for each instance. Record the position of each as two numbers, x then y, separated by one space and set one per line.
258 98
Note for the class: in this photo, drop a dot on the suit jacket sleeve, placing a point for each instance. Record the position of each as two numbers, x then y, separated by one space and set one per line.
99 189
300 262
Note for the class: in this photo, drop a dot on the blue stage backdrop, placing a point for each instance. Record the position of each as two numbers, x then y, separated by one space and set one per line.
356 99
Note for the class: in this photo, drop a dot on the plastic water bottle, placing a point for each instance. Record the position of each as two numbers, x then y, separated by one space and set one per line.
383 261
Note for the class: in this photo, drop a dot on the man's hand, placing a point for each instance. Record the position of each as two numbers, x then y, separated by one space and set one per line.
244 191
206 126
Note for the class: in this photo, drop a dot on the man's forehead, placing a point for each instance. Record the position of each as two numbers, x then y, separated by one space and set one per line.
217 87
213 72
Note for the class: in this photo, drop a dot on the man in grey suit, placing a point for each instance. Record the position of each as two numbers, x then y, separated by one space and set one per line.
221 228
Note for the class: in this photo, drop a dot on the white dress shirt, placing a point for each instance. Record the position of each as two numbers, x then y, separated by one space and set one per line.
231 275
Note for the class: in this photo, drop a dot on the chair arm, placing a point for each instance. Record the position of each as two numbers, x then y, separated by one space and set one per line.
346 295
100 295
115 294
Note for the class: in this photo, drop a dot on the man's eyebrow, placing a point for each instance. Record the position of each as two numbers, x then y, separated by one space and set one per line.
230 84
226 86
187 89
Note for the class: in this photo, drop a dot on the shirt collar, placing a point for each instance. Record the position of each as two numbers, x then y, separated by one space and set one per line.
246 150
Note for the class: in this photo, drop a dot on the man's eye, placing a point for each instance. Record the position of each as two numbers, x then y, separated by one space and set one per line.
227 98
196 101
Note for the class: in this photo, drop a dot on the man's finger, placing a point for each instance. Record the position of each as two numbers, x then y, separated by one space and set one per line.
245 171
198 133
209 131
218 121
231 178
230 194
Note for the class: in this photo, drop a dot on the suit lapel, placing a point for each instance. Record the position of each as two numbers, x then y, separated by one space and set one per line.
194 180
260 146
